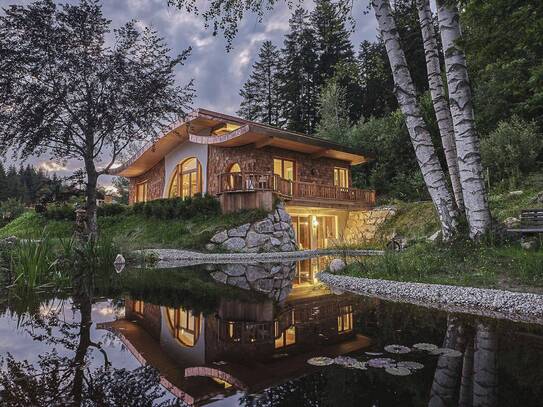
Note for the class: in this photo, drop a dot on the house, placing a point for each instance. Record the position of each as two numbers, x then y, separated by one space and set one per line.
243 346
248 165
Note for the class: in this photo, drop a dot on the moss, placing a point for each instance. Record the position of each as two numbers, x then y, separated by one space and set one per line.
413 220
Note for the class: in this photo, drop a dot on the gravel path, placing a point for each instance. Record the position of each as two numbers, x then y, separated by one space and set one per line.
520 307
173 255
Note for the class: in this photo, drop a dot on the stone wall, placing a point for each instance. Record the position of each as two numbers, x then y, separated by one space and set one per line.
271 234
155 180
362 226
271 279
318 170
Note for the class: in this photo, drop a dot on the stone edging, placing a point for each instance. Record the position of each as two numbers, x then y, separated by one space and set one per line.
172 255
519 307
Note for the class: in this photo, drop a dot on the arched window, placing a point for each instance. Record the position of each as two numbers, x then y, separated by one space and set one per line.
235 179
186 179
184 325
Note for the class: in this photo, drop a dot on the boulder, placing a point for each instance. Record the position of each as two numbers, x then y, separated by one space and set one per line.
255 273
538 198
264 226
240 231
211 247
240 282
529 243
234 269
220 277
337 265
435 236
256 239
515 193
234 244
511 222
220 237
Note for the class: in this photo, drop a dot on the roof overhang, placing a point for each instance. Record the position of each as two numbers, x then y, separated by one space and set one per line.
211 128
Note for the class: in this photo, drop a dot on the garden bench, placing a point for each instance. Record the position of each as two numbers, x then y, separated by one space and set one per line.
531 221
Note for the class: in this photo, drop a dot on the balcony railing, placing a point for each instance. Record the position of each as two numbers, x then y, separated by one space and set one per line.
262 181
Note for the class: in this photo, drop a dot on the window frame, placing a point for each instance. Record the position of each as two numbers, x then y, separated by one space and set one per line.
177 177
294 167
339 170
144 184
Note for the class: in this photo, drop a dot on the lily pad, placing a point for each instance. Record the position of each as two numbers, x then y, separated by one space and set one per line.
381 362
447 352
425 346
397 349
320 361
345 361
398 371
410 365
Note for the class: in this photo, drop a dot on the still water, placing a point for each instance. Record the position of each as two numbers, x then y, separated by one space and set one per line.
175 337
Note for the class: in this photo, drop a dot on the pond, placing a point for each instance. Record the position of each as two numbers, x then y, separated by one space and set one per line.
170 337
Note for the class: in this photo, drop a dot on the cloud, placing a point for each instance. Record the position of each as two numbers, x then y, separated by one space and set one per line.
52 166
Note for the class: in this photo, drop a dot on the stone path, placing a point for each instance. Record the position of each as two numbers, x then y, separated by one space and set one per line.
520 307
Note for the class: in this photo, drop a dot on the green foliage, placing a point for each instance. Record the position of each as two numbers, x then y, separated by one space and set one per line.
334 121
512 150
11 209
413 220
61 211
179 208
113 209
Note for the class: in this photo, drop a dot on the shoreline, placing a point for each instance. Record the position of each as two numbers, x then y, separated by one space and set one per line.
484 302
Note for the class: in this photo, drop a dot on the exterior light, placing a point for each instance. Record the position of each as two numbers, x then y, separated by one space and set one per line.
315 222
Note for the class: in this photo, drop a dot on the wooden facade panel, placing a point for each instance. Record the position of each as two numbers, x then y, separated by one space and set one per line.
155 183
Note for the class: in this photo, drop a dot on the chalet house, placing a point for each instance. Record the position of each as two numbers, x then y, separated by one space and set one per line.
248 165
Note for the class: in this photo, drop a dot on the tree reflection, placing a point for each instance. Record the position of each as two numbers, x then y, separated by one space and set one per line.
60 380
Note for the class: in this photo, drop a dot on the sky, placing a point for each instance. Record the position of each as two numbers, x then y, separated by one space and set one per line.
218 75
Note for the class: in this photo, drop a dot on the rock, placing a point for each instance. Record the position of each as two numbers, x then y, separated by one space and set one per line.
256 239
337 265
538 198
210 247
435 236
275 242
239 282
234 244
119 259
9 240
234 269
220 237
511 222
515 193
265 285
530 243
265 226
240 231
255 273
219 276
284 216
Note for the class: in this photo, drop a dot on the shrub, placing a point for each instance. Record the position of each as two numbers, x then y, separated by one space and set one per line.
11 209
512 149
178 208
112 209
60 212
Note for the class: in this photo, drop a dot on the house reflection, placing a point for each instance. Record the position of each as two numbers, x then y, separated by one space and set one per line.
243 346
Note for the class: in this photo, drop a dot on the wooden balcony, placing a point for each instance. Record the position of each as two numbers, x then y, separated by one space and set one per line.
295 191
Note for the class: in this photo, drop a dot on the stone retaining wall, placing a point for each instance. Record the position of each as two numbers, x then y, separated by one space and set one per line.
362 226
271 234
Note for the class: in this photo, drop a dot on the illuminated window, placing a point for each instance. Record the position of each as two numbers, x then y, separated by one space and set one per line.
141 192
286 338
184 325
284 168
345 319
186 180
137 307
341 177
235 180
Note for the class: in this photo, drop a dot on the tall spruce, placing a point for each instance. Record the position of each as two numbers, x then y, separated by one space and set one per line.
3 183
261 97
299 76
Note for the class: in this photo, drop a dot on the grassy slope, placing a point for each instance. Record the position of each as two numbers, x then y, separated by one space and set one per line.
506 266
135 231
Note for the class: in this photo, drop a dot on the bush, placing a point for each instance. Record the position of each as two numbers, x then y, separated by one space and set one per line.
112 209
511 150
60 212
11 209
178 208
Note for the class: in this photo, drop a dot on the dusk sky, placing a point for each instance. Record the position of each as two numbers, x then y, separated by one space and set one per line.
218 74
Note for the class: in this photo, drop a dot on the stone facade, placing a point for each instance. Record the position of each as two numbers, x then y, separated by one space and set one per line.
155 178
318 170
271 234
362 226
272 279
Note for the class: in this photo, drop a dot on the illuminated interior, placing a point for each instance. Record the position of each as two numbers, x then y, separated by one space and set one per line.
345 319
284 168
224 128
341 177
141 192
186 180
235 180
286 338
184 325
137 307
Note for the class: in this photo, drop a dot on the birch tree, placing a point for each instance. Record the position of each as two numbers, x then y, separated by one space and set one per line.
440 103
461 106
485 365
425 152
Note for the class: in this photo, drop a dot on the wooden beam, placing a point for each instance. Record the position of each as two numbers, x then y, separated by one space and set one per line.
264 143
320 153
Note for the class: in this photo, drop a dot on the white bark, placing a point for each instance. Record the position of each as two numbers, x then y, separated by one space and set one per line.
485 366
467 140
465 398
404 90
440 103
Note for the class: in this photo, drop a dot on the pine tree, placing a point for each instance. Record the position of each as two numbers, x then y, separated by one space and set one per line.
299 76
3 183
334 121
261 99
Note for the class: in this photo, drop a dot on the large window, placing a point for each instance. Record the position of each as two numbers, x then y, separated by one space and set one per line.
141 192
235 179
137 307
341 177
284 168
286 338
186 180
345 319
185 326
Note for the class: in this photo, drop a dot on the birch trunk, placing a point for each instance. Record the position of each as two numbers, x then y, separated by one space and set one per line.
404 90
485 366
467 140
447 376
466 386
440 103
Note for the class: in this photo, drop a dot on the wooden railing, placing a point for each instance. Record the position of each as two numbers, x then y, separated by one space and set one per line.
262 181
